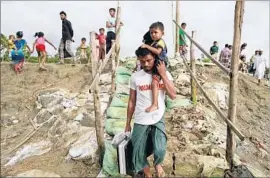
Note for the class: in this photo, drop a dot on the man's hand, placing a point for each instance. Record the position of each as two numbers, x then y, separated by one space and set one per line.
161 68
127 128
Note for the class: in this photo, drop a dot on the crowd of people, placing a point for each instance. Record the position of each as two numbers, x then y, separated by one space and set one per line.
256 65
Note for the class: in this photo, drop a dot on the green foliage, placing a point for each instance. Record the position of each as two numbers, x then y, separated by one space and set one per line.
206 60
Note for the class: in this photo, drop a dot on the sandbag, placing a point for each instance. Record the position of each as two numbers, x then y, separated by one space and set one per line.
117 113
130 63
123 71
122 89
110 163
122 79
177 102
115 126
120 100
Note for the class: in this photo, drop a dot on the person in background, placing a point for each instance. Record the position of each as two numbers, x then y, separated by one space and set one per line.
214 50
224 55
19 56
243 51
83 48
102 44
251 70
242 64
260 64
67 38
41 49
110 24
11 44
182 40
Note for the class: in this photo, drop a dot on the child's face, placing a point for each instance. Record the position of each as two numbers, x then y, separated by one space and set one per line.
12 37
101 32
83 41
156 33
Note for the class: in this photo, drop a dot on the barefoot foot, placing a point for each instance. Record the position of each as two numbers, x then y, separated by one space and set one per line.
152 108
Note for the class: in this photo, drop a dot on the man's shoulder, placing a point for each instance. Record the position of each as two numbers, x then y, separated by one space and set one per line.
138 74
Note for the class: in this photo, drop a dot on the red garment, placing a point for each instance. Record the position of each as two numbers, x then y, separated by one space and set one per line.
102 39
40 47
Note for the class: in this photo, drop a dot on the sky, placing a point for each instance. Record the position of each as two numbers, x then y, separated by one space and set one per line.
212 21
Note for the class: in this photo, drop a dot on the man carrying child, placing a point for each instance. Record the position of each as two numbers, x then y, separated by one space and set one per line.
148 135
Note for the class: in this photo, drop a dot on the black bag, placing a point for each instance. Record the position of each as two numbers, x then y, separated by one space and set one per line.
238 171
147 38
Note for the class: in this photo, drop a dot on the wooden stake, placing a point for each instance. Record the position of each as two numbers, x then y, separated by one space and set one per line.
177 19
238 20
117 30
193 68
98 119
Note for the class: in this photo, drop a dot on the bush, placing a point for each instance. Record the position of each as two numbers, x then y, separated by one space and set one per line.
206 60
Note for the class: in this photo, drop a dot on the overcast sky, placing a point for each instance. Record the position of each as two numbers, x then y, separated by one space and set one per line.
213 20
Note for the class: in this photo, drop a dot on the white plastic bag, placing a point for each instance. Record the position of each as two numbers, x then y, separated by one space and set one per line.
118 138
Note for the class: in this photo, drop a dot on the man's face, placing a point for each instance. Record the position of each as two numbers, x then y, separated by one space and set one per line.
112 13
156 33
147 62
62 16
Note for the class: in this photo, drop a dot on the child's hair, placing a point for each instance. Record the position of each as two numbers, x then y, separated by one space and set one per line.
215 42
62 12
19 34
226 45
101 29
39 34
182 24
112 9
83 39
157 25
10 36
142 52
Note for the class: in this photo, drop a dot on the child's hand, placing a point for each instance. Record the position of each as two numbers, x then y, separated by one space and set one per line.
144 46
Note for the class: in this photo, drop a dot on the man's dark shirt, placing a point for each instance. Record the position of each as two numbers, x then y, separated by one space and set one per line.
67 31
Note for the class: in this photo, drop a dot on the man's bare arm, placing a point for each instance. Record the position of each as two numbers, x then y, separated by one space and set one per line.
169 87
131 107
108 25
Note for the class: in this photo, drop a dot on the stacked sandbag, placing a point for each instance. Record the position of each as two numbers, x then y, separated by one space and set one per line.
117 112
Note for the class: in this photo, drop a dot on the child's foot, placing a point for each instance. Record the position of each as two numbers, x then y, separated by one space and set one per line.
152 108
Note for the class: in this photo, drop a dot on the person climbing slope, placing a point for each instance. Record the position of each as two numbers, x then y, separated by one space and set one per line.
159 48
18 56
41 49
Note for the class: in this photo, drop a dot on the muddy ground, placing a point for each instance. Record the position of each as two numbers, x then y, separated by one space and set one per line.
18 95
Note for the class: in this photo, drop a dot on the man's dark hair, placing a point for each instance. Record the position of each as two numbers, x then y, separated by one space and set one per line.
157 25
101 29
62 12
183 24
226 45
112 9
142 52
215 42
83 39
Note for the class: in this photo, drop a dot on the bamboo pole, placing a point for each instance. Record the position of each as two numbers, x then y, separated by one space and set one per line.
228 122
177 19
204 51
238 20
98 119
193 68
117 29
102 66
